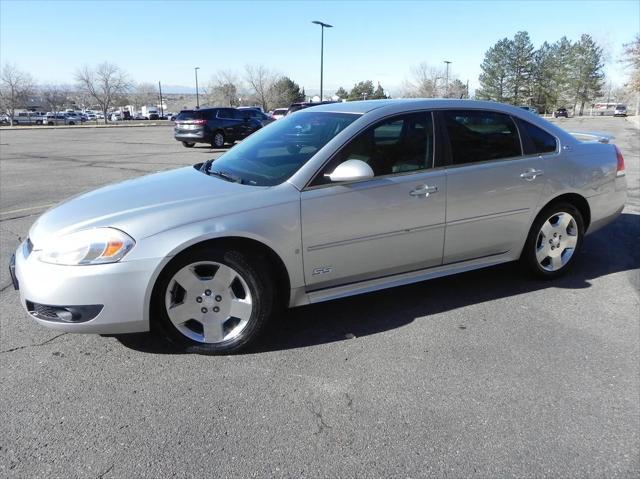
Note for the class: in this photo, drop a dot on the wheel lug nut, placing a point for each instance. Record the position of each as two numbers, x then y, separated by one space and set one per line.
553 247
207 292
204 310
218 298
199 299
216 309
555 234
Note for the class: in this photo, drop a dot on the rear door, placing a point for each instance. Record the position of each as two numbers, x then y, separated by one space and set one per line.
385 225
493 184
230 123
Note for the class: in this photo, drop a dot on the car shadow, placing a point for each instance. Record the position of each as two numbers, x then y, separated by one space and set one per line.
611 250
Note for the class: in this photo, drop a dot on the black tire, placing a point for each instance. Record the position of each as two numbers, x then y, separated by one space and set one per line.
254 272
186 144
218 140
529 257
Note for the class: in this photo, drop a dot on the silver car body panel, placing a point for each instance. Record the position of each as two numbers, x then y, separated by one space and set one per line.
334 241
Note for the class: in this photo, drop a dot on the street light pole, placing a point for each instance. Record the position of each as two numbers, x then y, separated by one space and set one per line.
446 85
197 94
322 27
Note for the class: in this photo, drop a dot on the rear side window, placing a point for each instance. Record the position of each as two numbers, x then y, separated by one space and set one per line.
477 135
541 141
228 113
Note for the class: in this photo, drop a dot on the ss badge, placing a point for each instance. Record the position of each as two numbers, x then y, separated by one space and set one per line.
322 270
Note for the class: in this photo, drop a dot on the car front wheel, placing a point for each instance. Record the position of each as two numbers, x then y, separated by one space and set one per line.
186 144
554 241
213 301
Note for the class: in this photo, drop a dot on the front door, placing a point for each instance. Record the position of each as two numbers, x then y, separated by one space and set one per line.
389 224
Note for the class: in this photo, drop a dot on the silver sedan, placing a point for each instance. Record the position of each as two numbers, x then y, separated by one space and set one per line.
332 201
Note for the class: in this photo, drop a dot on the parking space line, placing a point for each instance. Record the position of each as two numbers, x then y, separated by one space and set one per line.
10 212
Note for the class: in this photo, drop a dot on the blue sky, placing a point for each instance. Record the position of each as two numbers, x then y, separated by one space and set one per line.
376 40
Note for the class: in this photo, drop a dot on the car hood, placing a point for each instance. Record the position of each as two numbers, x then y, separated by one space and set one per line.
147 205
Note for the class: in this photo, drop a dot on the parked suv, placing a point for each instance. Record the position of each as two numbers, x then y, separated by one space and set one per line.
257 113
621 110
561 112
216 126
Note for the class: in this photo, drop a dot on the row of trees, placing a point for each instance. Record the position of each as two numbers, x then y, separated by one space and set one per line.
564 73
561 74
258 86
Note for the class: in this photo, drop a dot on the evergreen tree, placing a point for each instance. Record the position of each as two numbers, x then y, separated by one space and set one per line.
562 53
361 91
493 79
342 93
379 94
519 66
543 95
587 75
284 92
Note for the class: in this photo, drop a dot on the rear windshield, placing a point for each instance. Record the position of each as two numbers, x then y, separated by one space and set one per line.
187 115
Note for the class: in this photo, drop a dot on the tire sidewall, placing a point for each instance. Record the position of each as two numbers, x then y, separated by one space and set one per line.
529 254
254 274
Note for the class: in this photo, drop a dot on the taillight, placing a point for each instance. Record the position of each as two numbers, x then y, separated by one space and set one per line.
199 122
620 166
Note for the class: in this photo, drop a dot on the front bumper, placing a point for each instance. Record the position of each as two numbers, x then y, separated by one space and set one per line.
123 289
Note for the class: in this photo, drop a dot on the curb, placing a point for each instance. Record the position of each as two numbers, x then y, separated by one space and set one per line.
69 127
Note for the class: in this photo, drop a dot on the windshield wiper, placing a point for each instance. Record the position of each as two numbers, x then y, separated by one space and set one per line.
221 174
226 176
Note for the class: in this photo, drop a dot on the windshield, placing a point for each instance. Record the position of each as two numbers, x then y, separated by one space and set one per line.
272 155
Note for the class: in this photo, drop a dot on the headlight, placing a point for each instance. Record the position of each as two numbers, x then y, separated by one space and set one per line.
95 246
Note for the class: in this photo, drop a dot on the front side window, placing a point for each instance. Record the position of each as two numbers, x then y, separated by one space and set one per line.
271 155
400 144
477 135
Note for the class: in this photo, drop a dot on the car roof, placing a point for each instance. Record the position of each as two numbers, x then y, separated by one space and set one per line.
407 104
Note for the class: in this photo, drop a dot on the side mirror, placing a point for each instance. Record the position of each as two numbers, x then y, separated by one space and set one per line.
351 170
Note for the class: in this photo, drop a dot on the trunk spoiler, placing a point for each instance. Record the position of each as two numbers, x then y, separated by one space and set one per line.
592 136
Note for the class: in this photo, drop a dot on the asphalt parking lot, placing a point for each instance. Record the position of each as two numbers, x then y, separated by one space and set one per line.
485 374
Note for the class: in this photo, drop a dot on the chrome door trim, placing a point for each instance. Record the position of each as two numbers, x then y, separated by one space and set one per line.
487 217
374 237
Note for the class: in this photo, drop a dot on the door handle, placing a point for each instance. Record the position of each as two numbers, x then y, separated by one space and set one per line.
531 174
423 190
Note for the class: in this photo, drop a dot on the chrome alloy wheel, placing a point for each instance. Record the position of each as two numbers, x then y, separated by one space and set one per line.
208 302
556 241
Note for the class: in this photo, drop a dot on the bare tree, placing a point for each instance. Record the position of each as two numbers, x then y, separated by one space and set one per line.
105 84
223 89
144 94
426 82
55 97
15 88
260 80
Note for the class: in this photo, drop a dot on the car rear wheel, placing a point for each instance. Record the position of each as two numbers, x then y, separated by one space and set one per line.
554 241
186 144
214 301
218 140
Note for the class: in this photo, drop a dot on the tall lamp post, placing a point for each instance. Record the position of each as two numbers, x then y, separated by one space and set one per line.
446 85
322 27
197 94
